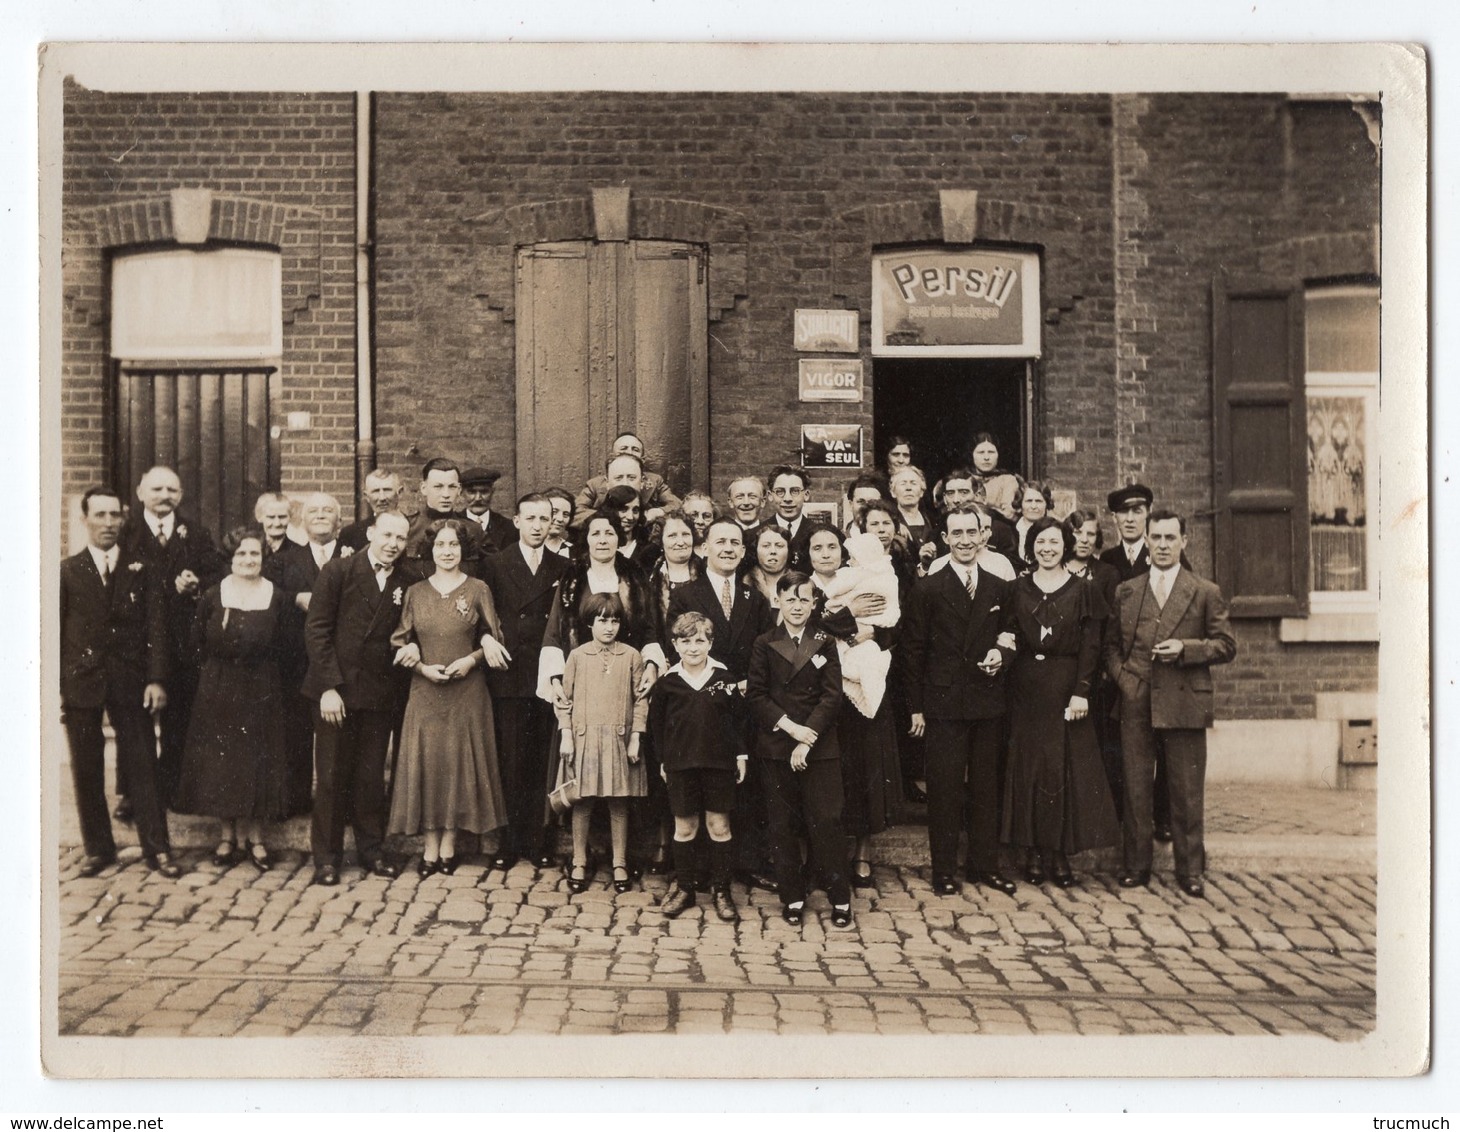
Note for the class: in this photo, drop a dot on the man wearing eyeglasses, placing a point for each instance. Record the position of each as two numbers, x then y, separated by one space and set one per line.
789 492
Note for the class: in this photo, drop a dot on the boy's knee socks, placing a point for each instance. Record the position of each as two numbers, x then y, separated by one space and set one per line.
722 861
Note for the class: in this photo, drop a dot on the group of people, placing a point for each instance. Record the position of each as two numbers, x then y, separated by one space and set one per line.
752 696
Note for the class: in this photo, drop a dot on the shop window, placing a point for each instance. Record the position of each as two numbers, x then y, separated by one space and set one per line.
196 338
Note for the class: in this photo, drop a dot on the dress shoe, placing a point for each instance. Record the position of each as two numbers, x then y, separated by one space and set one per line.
383 868
123 812
578 878
995 881
658 865
327 875
915 793
1063 876
676 900
259 857
1034 872
725 905
755 878
861 879
946 886
545 861
1161 833
792 914
1134 878
164 865
1191 886
225 855
427 868
447 865
841 916
622 883
93 865
502 862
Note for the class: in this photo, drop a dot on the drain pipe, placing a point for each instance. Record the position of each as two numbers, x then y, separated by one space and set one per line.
364 307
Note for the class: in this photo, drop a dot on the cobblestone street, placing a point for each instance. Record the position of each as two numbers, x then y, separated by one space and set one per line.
1283 949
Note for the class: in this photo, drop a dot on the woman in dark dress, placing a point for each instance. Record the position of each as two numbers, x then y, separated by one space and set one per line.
1082 529
637 547
598 567
1034 501
1056 798
770 553
234 764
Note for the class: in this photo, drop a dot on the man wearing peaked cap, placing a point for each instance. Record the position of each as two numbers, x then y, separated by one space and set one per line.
1129 506
477 486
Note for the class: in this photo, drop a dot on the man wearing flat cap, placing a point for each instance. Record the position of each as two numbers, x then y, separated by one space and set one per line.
477 486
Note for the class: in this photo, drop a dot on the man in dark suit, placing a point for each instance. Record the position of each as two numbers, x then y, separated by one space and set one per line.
477 487
441 494
356 689
295 569
522 578
790 490
956 642
114 658
382 494
1170 628
739 613
183 557
794 693
747 496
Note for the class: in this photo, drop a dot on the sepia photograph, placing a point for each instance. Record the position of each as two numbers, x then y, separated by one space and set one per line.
781 561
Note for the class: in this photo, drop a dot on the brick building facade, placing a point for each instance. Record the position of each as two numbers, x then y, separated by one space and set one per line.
1137 207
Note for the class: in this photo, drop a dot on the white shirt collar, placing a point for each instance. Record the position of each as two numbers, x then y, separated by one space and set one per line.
155 524
706 673
1169 573
106 560
1133 549
322 552
530 555
964 572
718 579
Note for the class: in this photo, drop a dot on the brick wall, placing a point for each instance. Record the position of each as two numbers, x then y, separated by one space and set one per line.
291 151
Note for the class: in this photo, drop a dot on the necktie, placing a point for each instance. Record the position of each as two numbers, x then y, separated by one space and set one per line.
106 572
534 560
1158 583
161 536
727 598
971 584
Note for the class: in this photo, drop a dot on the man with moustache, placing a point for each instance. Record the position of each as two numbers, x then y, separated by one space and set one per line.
655 496
181 554
114 657
382 494
355 690
523 578
478 486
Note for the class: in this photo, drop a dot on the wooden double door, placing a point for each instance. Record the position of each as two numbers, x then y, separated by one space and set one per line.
611 338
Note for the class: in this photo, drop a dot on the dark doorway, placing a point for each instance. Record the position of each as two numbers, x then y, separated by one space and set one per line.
940 404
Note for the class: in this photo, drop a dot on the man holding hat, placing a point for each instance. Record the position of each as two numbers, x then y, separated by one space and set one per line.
477 486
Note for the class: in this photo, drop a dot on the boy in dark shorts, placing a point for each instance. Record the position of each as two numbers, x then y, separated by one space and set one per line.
695 722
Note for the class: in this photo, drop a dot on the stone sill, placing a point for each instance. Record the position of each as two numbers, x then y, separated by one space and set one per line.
1330 627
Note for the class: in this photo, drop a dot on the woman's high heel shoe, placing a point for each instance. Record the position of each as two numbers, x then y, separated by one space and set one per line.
226 854
448 865
258 856
426 868
624 883
578 878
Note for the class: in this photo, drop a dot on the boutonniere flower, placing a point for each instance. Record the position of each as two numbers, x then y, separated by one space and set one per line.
132 595
1006 641
818 636
721 687
462 608
134 566
182 530
346 551
395 597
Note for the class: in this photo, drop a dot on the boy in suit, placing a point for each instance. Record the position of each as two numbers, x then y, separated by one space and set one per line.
114 658
522 578
794 693
356 688
1170 628
957 640
694 720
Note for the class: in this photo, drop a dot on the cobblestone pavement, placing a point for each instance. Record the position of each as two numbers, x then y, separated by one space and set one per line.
224 953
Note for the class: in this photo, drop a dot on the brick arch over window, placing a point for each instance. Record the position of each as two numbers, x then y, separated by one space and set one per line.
294 230
1333 255
957 217
501 232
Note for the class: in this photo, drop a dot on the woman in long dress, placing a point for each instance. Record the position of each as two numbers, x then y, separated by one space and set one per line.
446 776
234 764
1082 530
1056 799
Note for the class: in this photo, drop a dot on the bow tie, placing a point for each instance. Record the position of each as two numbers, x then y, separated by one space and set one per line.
381 567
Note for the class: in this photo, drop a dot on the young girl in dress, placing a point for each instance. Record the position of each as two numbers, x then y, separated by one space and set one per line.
601 731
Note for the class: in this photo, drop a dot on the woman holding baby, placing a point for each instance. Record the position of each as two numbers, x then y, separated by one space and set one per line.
861 607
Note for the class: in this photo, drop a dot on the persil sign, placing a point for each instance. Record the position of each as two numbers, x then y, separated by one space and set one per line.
955 303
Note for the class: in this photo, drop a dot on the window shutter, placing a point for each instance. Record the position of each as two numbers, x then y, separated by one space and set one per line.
1259 446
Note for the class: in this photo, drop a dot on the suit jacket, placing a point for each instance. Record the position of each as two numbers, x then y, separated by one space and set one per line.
802 682
497 534
523 603
191 547
1195 614
945 636
347 633
420 554
113 641
750 616
293 569
1115 556
654 493
799 558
